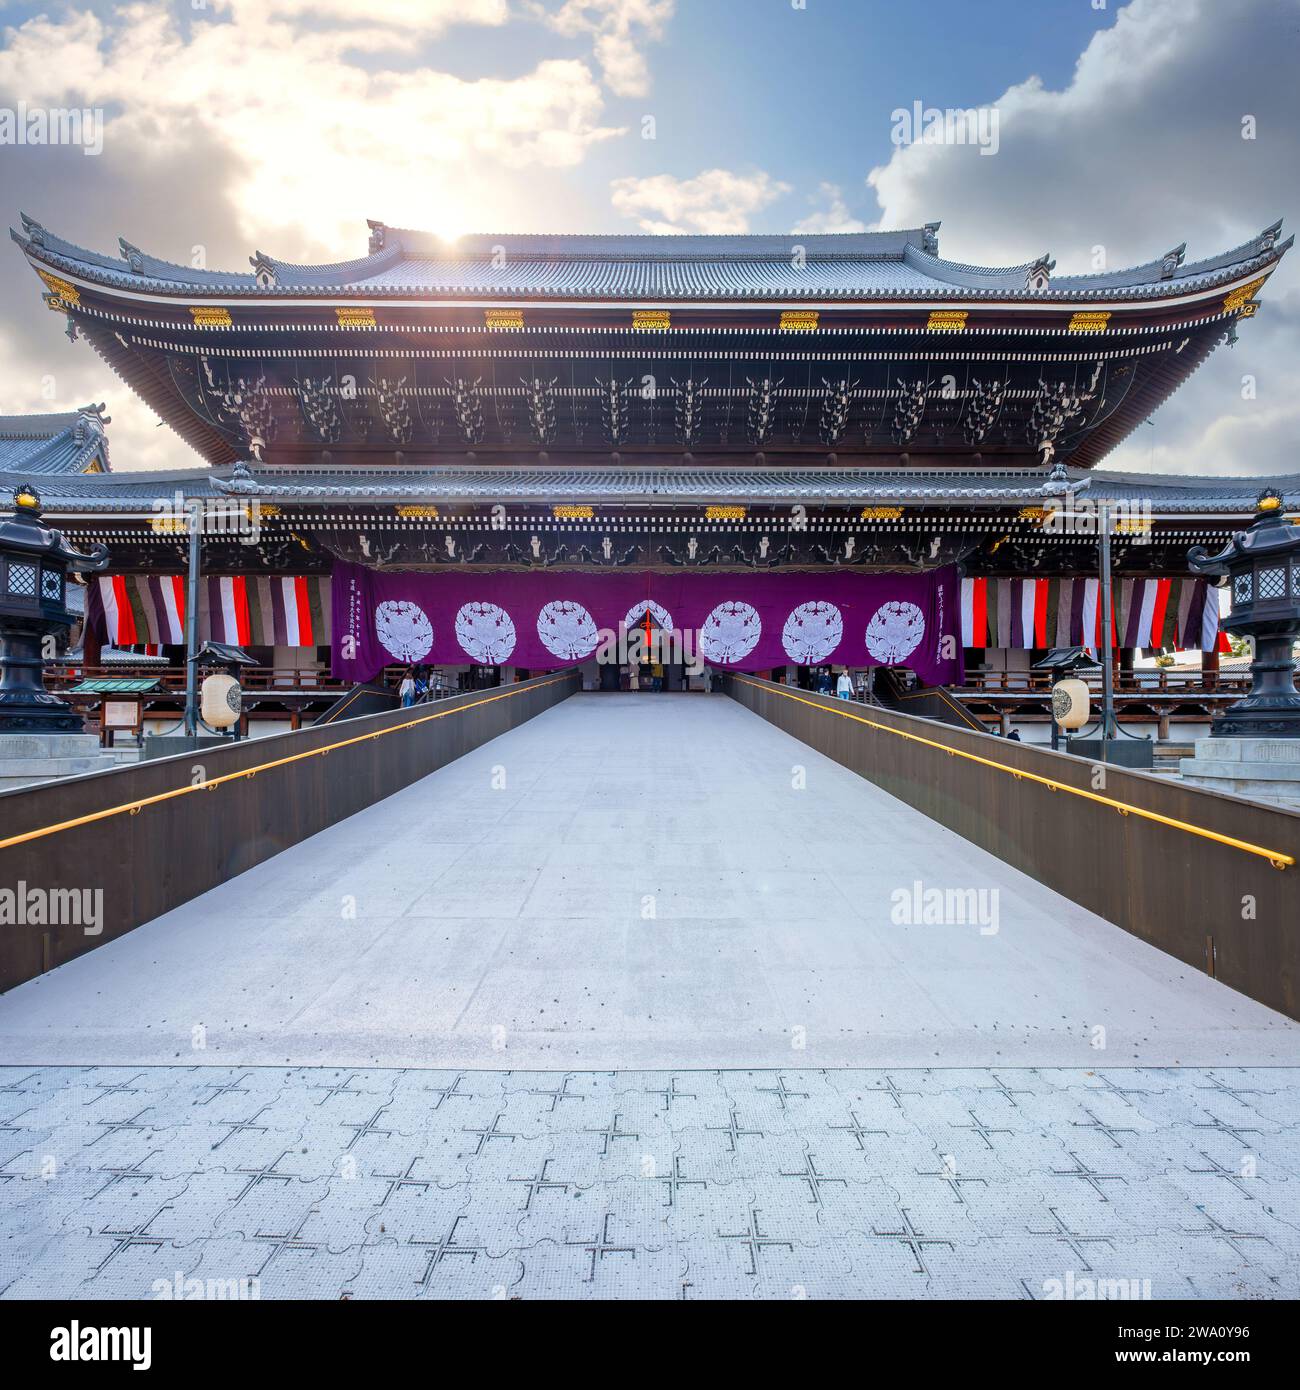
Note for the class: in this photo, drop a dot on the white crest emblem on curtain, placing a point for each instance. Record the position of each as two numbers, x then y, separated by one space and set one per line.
895 632
485 632
730 633
567 630
657 611
404 630
812 632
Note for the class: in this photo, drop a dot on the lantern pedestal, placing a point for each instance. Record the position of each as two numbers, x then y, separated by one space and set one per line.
35 562
1120 752
1272 709
1263 769
168 745
1261 566
27 758
26 707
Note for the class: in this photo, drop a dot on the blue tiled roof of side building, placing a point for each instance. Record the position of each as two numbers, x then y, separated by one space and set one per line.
41 445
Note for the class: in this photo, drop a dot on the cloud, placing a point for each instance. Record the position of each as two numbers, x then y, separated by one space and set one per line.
1142 150
320 140
1240 413
617 27
270 124
168 197
834 216
713 201
426 16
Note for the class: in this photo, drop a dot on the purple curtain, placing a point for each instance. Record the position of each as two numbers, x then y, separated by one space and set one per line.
548 619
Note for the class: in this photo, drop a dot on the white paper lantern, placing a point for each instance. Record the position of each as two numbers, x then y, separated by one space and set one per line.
1070 701
221 700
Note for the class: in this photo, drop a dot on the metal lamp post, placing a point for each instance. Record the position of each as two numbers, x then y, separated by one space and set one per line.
1108 728
35 561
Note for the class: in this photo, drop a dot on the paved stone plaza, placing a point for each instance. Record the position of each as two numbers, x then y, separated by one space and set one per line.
616 1006
331 1183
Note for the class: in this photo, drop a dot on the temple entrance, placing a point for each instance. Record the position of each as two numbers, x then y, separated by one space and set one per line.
652 673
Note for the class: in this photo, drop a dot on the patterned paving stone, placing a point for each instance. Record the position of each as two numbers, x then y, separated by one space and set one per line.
790 1184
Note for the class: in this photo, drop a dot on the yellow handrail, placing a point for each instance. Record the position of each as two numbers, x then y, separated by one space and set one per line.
134 807
1277 858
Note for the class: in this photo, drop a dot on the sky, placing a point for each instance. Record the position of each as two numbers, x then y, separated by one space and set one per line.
232 126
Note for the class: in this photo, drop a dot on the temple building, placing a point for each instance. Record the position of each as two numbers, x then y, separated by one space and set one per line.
38 445
811 450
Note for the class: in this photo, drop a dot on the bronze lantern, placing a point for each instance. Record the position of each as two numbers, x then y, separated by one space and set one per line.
1261 567
35 562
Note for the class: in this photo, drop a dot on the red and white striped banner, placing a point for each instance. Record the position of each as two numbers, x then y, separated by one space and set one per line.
243 610
141 608
1021 614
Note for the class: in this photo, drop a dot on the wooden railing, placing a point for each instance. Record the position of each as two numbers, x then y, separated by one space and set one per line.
1145 682
61 676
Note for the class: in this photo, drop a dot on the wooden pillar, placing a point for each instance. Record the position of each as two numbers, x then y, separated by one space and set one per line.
91 645
1210 670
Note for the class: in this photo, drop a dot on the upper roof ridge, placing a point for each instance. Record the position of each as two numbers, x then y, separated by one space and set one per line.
844 266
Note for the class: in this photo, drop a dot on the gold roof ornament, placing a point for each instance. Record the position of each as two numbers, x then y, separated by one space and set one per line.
64 292
1239 298
947 321
210 316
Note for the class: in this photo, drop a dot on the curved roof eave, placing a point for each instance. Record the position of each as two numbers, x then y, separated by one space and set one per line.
64 443
734 271
133 494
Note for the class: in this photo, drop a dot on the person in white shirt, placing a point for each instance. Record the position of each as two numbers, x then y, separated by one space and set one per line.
407 690
844 686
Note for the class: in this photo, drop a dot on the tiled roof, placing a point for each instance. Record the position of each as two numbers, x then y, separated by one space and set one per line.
135 492
37 445
864 266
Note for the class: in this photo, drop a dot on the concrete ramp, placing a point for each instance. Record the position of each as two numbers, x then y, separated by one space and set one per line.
636 881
